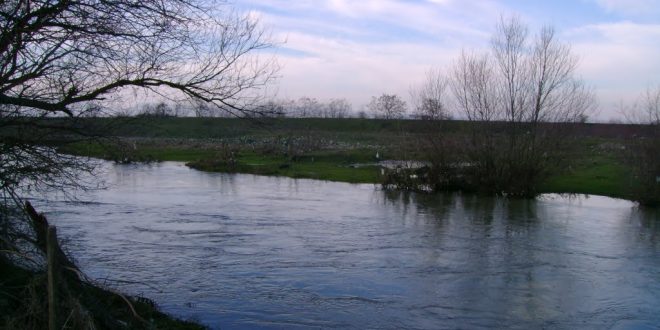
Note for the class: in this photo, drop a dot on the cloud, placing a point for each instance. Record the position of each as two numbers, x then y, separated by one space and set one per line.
625 32
439 2
618 59
393 18
356 49
620 53
631 7
356 71
427 17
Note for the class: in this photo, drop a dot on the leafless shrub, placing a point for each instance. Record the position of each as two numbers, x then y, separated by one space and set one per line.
644 150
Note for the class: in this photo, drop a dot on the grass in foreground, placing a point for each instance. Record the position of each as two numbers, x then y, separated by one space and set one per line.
23 306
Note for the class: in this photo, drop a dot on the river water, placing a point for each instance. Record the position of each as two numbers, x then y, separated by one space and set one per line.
244 251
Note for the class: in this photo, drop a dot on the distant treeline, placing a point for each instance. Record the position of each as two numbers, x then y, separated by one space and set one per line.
191 127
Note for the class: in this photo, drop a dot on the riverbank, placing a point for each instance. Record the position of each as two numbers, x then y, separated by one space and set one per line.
24 295
330 149
53 293
602 175
596 173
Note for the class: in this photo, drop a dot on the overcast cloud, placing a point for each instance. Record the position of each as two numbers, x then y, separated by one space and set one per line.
355 49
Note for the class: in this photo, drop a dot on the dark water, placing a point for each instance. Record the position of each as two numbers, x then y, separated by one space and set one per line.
242 251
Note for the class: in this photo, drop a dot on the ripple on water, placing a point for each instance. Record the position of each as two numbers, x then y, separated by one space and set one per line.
242 251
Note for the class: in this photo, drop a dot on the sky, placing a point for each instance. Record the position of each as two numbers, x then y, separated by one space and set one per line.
356 49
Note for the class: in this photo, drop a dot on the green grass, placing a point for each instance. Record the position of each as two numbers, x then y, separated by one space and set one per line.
176 154
598 175
143 153
321 165
595 174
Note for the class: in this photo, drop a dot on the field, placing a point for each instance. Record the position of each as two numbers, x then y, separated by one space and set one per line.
335 149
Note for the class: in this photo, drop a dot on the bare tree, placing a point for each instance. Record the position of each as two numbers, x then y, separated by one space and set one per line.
59 57
519 98
201 109
644 155
337 108
652 106
646 110
509 49
160 109
536 78
275 108
62 60
474 87
306 107
473 83
556 95
430 99
387 106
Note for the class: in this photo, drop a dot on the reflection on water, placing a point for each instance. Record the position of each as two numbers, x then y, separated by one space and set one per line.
242 251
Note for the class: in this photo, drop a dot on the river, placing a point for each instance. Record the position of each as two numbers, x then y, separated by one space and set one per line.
244 251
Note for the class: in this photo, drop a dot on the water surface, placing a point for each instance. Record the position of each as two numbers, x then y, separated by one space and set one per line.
244 251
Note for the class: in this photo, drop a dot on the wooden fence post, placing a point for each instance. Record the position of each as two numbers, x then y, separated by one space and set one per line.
52 248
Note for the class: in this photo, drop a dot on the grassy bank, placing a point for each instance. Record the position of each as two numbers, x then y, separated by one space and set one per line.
23 297
328 149
354 166
42 288
598 175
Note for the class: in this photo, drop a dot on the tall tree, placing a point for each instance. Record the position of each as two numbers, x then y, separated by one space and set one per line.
430 99
62 60
387 106
539 94
68 58
56 56
520 98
